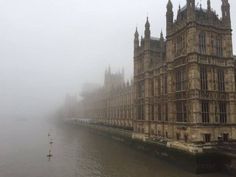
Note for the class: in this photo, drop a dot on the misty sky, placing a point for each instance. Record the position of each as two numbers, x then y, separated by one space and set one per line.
49 48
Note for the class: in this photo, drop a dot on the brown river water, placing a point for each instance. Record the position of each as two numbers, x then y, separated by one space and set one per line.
24 145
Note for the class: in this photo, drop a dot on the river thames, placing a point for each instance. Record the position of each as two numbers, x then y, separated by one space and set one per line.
76 153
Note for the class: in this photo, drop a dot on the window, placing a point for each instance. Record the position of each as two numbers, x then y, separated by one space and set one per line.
207 138
166 112
203 77
156 111
141 89
159 86
152 112
221 80
159 112
180 80
186 138
218 47
179 45
225 137
140 112
223 112
165 84
205 112
214 78
181 111
235 77
216 114
216 44
202 42
178 136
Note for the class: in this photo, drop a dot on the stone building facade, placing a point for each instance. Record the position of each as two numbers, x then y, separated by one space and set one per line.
111 104
185 84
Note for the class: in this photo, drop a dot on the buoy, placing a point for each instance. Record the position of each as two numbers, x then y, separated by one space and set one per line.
49 154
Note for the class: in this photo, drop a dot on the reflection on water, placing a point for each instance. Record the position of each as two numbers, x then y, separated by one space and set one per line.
76 152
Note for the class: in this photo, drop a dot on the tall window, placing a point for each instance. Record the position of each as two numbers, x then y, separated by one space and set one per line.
141 89
203 77
166 112
205 112
159 86
221 80
218 47
140 112
223 112
152 112
202 42
179 45
181 111
207 137
165 84
159 112
180 80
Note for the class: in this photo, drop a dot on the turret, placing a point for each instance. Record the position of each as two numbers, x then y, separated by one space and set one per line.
169 17
147 30
190 10
225 8
162 44
136 39
209 5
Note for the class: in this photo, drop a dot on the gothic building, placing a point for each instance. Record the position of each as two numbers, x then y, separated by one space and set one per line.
185 84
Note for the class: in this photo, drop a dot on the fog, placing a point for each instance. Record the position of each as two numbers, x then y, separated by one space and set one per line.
49 48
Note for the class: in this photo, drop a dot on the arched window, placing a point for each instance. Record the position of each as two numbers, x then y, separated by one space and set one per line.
202 42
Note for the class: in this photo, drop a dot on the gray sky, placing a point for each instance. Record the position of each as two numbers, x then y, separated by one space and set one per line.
51 47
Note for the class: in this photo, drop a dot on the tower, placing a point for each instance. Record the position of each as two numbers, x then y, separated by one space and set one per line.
162 42
225 8
136 39
209 5
169 16
190 10
147 30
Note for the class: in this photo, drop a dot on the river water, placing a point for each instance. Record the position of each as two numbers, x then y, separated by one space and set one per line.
24 145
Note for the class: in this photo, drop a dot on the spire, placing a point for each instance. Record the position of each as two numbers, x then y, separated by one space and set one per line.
147 29
209 5
136 39
169 5
225 8
225 2
179 9
191 4
136 35
161 35
191 10
169 17
147 25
